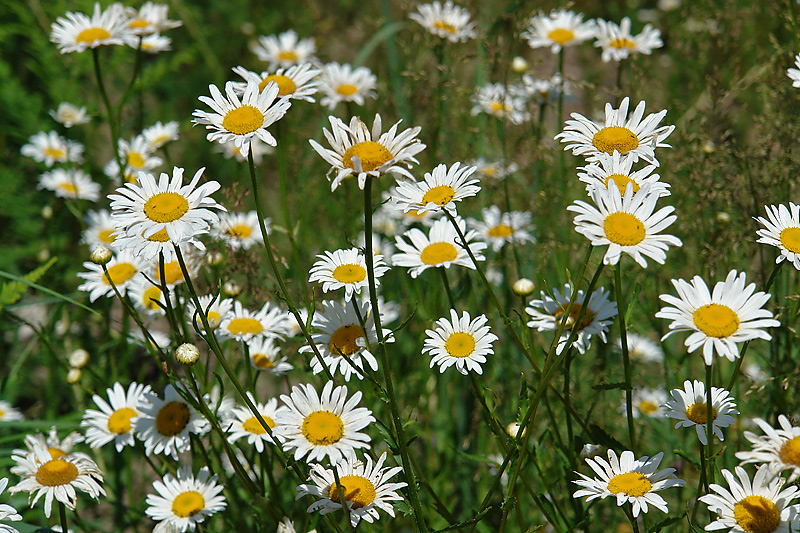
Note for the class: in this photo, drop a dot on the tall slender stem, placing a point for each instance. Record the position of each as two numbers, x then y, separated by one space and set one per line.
626 360
112 124
62 514
709 426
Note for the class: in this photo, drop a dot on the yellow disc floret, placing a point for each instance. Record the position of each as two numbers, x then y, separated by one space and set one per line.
323 428
716 320
243 120
371 154
756 514
460 344
438 252
356 489
616 138
56 472
630 483
624 229
188 504
166 207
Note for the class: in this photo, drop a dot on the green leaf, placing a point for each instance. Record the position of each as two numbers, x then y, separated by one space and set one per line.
12 291
610 386
45 290
381 35
667 522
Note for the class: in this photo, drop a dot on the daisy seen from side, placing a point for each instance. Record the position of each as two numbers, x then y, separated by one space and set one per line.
266 355
690 408
778 449
782 230
619 43
160 134
346 268
100 230
69 115
51 148
240 231
440 248
441 189
164 425
642 349
285 49
77 32
560 29
155 44
244 424
150 18
461 342
298 82
648 403
498 228
447 21
113 421
70 183
184 501
343 83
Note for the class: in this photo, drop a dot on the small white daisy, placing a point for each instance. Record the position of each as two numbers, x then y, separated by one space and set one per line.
241 324
365 487
794 73
343 83
440 248
493 170
113 421
544 91
296 82
122 271
155 44
100 230
345 268
447 21
69 114
561 28
184 501
732 314
137 155
635 137
164 425
79 32
147 298
242 120
285 49
266 355
72 183
548 312
460 341
782 230
316 426
642 349
357 150
149 19
618 43
242 423
8 413
498 228
689 406
778 449
495 100
51 148
629 480
7 512
618 168
646 402
214 307
58 448
240 230
257 147
160 134
442 188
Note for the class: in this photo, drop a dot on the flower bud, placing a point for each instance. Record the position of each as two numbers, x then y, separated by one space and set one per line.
523 287
231 289
78 358
73 375
100 255
187 354
519 65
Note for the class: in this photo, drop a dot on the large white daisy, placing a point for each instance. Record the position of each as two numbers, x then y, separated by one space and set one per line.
440 248
447 21
346 268
441 189
559 29
113 421
498 228
184 501
285 49
778 448
164 425
782 230
618 42
78 32
690 407
460 341
296 82
343 83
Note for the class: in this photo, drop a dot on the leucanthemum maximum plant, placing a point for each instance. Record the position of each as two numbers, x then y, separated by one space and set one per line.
447 21
441 189
690 408
559 29
184 501
440 248
461 342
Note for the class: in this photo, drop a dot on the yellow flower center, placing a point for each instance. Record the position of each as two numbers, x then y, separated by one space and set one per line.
188 504
441 25
68 187
55 153
498 107
623 43
790 239
438 252
107 236
135 160
138 23
343 340
323 428
349 273
166 207
790 452
561 35
439 195
347 89
172 273
624 229
632 484
261 361
213 318
56 472
356 489
240 231
371 154
285 84
287 55
698 413
756 514
500 230
90 35
243 120
159 236
574 311
172 418
460 344
55 453
622 181
252 425
616 138
244 325
716 320
647 408
119 273
120 420
151 298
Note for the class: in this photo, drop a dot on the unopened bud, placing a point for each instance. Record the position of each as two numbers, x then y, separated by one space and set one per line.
187 354
231 289
101 255
43 255
513 429
214 259
78 358
519 65
723 217
590 450
47 212
73 375
523 287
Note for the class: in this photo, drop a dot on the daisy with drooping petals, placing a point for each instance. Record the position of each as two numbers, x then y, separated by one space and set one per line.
149 19
461 342
548 312
215 308
626 224
122 271
757 507
100 230
164 425
285 49
440 248
357 150
160 134
51 148
365 487
561 28
646 402
78 32
316 426
794 73
56 478
618 168
442 188
642 349
618 43
345 268
9 413
266 355
296 82
7 513
447 21
241 121
241 324
69 114
689 406
184 501
720 320
343 83
498 228
72 183
240 230
495 100
782 230
113 421
242 423
778 449
629 480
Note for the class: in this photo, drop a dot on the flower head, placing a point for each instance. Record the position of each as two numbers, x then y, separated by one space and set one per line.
113 421
447 21
72 183
243 325
343 83
243 424
69 114
164 425
559 29
618 42
778 449
794 73
498 228
440 248
442 188
345 268
296 82
495 100
184 501
79 32
285 49
690 407
617 169
51 148
240 230
460 341
782 230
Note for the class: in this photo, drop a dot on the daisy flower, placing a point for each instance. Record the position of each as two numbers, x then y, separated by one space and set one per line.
447 21
646 402
441 189
343 83
357 150
616 168
241 121
495 100
296 82
257 147
113 421
629 480
720 320
150 18
160 134
242 423
52 148
461 342
137 156
633 137
757 507
618 43
794 73
778 448
345 268
243 325
626 224
155 44
689 406
172 274
498 228
493 170
215 308
548 312
69 114
782 230
642 349
365 487
240 230
285 49
147 298
440 248
559 29
7 512
72 183
8 413
294 328
544 91
99 230
122 271
184 501
57 447
266 355
79 32
340 333
56 478
164 425
316 426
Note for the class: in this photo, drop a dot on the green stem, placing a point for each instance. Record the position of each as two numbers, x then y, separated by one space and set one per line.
626 360
450 299
113 126
62 513
342 499
137 66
